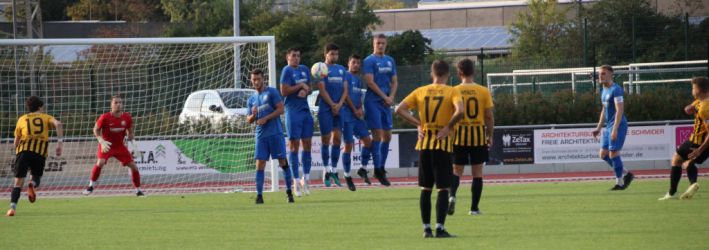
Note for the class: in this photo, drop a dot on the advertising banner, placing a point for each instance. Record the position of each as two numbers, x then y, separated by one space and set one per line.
512 146
392 158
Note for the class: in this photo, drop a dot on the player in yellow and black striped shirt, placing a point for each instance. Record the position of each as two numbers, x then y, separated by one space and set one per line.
439 109
473 134
693 150
31 145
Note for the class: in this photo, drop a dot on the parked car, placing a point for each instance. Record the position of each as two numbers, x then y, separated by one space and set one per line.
215 106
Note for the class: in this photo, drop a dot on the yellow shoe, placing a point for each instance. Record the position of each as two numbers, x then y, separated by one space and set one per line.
10 212
691 190
667 197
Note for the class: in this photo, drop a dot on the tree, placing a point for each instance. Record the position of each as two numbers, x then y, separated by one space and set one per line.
215 18
385 4
409 47
542 34
125 10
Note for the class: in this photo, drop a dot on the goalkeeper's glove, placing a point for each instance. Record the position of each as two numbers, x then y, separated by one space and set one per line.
132 146
105 145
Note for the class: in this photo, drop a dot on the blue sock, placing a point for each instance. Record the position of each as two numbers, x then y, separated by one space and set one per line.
293 162
617 167
347 162
366 154
260 176
325 153
608 160
376 153
307 161
334 155
287 176
385 152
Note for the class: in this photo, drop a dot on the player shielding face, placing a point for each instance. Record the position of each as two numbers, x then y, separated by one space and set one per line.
613 136
473 134
31 148
439 107
380 76
265 108
333 94
110 130
694 150
354 125
295 87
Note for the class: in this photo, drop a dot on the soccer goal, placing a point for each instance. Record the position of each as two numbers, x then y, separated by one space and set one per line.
187 97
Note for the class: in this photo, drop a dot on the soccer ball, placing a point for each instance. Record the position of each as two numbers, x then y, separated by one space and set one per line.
319 70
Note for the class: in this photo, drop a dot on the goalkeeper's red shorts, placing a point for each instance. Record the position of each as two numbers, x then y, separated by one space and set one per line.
121 154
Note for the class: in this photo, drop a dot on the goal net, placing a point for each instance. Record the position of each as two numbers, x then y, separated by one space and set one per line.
187 97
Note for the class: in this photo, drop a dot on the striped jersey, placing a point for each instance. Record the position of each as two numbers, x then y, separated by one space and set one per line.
701 117
470 131
33 131
436 105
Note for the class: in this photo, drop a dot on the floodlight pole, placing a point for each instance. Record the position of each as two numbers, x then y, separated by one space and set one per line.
237 51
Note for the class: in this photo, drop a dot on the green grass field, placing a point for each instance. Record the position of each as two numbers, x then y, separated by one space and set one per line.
519 216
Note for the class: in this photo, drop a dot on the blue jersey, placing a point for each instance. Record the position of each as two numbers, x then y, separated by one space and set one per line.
355 92
266 102
383 68
293 76
609 96
334 84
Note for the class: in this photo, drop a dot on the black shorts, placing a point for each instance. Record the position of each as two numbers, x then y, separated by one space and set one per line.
435 167
31 161
687 148
470 155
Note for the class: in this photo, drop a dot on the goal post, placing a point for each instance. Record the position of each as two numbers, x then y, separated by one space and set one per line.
186 95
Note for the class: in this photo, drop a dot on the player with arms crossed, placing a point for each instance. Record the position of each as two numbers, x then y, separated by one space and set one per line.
613 136
353 124
31 145
439 107
295 86
333 94
110 130
265 108
381 79
473 134
693 150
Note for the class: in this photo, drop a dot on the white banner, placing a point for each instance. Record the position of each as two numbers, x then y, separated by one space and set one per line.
392 158
164 157
578 145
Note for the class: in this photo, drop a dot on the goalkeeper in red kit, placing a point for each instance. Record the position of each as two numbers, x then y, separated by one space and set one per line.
110 130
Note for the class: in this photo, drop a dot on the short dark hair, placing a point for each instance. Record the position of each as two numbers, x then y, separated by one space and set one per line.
440 68
354 56
257 72
702 83
380 36
292 49
116 96
330 47
466 67
33 103
607 67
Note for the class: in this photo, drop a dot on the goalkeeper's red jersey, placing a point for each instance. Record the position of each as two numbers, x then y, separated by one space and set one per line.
113 129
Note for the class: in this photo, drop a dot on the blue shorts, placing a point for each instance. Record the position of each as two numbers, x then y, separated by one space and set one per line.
328 122
377 115
299 125
606 142
273 146
355 127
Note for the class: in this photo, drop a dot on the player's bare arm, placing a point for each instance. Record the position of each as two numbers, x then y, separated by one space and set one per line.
457 116
105 145
345 93
275 114
60 134
288 89
489 125
597 130
689 109
392 93
618 118
325 95
369 79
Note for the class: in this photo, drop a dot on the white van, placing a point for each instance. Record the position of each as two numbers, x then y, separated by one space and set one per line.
215 105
